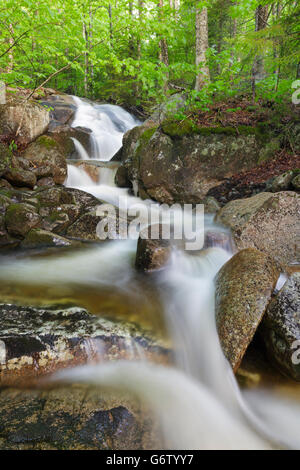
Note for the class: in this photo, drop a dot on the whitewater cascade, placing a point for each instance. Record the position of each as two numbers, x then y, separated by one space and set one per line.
196 402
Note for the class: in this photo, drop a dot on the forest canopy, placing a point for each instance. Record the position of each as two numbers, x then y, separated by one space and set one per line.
140 51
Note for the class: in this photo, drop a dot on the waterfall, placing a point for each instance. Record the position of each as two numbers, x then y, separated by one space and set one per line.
108 124
196 401
82 153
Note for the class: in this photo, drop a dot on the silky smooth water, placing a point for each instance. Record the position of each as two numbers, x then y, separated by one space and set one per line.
196 401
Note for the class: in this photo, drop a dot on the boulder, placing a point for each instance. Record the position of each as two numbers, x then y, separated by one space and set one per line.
280 328
20 218
20 177
32 118
268 222
45 152
78 417
86 227
244 287
152 254
180 162
296 183
6 241
64 135
4 184
37 238
5 158
57 196
283 182
47 181
35 342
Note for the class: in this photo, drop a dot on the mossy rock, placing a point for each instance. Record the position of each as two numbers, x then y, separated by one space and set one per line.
5 158
45 152
37 238
20 218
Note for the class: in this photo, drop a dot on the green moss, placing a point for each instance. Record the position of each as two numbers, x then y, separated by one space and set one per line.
179 128
46 142
188 127
146 136
144 139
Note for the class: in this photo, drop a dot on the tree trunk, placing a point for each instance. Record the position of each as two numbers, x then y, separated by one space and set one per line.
110 25
86 58
163 46
258 70
140 8
203 75
11 54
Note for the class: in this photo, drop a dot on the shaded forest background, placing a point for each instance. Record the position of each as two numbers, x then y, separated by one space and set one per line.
138 52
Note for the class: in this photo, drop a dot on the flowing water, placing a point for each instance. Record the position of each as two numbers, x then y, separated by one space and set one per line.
196 401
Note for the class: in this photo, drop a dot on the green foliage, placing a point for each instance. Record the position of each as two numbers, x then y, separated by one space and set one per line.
109 52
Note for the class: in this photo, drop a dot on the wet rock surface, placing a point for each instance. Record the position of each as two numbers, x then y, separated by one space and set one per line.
35 342
152 254
244 287
280 329
73 418
45 152
20 218
267 221
50 211
176 162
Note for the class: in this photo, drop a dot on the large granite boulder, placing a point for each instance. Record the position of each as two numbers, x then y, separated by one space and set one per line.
268 222
31 118
281 328
244 287
180 162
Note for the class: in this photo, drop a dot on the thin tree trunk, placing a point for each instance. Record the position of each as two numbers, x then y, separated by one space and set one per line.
163 54
140 8
258 70
91 65
10 54
86 58
203 75
278 48
110 25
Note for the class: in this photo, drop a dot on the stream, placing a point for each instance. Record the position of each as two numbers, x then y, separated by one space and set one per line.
197 401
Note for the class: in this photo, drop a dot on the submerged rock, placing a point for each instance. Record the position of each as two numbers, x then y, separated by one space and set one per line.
244 287
35 341
77 417
267 221
281 328
152 254
45 152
